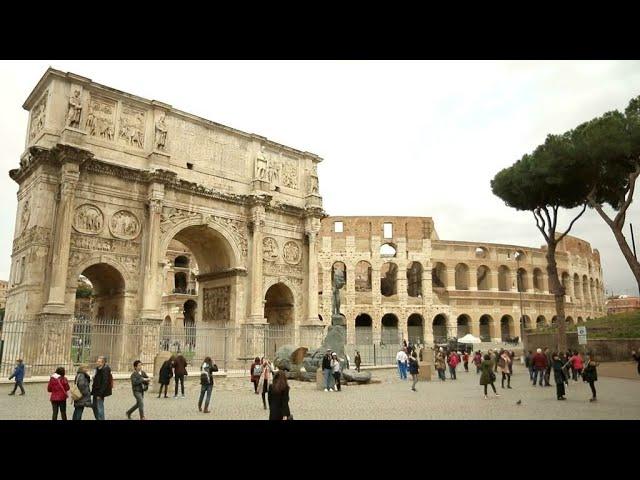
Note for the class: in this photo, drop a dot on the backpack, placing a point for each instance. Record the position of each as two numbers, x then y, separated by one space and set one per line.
257 370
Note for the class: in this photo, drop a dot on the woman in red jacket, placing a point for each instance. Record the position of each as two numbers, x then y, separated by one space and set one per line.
58 386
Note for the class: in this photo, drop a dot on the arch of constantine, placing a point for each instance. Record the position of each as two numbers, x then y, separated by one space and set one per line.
178 222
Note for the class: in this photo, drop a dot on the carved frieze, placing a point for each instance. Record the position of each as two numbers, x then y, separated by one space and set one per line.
34 235
269 249
289 176
216 304
280 269
88 219
101 118
292 253
112 245
125 225
132 126
38 115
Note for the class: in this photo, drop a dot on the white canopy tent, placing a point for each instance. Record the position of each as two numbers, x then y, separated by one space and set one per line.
468 338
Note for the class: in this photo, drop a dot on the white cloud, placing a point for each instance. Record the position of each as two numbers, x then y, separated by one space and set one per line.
398 137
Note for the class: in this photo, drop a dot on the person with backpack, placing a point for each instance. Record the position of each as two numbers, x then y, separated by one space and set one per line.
465 361
58 386
504 363
255 371
590 375
102 387
139 383
414 369
578 364
206 383
559 375
18 375
453 363
477 360
82 381
487 377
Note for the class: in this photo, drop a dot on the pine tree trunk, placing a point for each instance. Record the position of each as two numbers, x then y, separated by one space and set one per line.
558 292
634 265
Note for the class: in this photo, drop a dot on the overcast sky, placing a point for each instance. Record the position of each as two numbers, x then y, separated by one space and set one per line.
419 138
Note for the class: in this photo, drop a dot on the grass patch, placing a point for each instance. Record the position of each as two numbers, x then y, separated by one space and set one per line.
619 325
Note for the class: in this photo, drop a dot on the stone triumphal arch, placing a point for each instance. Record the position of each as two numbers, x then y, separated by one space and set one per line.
109 182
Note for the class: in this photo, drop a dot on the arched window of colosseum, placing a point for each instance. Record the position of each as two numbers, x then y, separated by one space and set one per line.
462 277
364 332
486 328
507 327
577 290
415 328
554 321
390 335
464 325
180 283
320 279
541 321
570 320
503 278
438 276
519 256
339 266
387 250
537 280
389 279
363 276
526 321
439 328
483 278
181 262
585 288
523 282
481 252
414 279
580 320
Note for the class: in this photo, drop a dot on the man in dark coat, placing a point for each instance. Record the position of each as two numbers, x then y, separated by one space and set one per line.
539 361
358 360
559 375
547 373
179 371
102 387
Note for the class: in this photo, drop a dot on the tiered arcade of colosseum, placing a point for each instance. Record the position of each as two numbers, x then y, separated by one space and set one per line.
403 282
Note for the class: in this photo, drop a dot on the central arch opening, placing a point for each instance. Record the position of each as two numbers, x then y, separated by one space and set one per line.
415 328
464 325
279 312
507 327
364 329
486 328
439 328
389 333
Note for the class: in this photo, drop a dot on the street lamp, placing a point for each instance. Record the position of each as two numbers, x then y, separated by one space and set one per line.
520 286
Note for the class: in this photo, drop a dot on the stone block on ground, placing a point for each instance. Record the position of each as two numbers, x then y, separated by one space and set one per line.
355 376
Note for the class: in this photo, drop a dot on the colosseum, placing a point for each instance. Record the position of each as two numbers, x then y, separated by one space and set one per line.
194 235
403 282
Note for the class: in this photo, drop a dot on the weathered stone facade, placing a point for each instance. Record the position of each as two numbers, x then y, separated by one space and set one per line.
425 287
109 179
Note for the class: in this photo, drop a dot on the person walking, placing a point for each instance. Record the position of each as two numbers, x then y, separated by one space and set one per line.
539 362
414 369
279 397
465 361
547 372
453 363
487 377
590 375
18 376
58 386
326 371
165 375
265 380
102 387
139 384
358 361
528 362
504 362
440 366
558 375
255 371
335 368
477 360
206 383
82 381
179 372
636 358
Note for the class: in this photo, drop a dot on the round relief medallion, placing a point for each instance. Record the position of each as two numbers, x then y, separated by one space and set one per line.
291 253
269 249
125 225
88 219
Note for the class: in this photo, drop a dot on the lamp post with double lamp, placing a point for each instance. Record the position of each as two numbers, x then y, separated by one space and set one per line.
520 285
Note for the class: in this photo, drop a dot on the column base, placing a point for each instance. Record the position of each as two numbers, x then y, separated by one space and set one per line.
54 309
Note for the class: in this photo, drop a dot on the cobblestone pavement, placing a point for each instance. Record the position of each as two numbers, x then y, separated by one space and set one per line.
391 399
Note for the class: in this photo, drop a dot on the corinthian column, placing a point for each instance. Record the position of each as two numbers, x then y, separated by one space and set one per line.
71 158
151 285
256 311
312 291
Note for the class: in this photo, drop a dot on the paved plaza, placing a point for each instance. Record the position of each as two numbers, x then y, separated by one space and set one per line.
391 399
